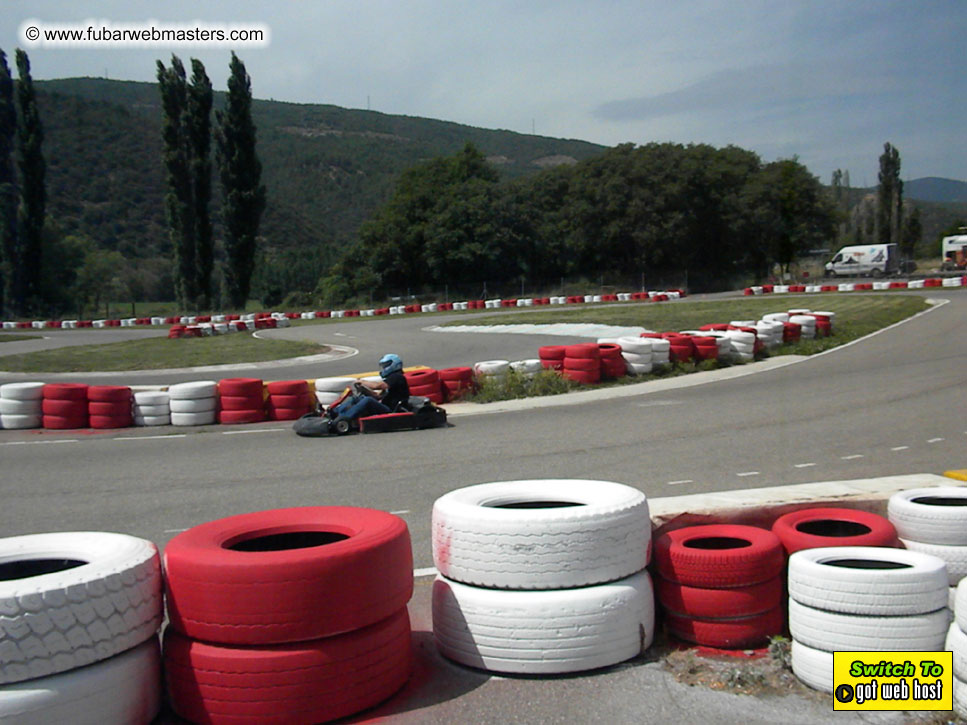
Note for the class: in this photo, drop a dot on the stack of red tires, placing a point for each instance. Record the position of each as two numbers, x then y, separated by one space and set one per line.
552 357
288 399
456 382
721 585
109 406
612 364
65 406
426 384
582 363
240 400
293 615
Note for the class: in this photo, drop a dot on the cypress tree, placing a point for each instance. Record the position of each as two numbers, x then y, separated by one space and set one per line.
8 186
178 198
889 197
240 172
200 169
33 192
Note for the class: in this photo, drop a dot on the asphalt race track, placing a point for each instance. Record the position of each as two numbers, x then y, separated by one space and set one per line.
892 403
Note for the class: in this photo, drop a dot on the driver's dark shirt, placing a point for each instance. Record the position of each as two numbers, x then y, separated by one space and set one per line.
398 390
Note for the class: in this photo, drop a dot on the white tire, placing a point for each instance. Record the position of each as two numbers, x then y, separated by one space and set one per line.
659 345
637 358
955 557
544 534
149 420
54 618
527 367
122 689
191 405
741 337
960 604
206 418
151 397
22 391
491 367
776 317
956 642
544 632
326 398
638 368
740 348
333 385
835 631
148 411
846 579
930 515
20 422
743 356
812 666
196 389
636 345
12 406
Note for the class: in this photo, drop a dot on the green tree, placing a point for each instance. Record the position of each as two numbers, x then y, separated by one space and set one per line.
912 233
98 279
243 195
8 189
200 169
33 189
889 197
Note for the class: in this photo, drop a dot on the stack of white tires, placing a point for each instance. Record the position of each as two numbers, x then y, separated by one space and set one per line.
528 368
742 345
934 521
637 353
491 369
770 332
151 407
329 390
957 644
862 599
21 405
193 403
542 576
807 324
79 617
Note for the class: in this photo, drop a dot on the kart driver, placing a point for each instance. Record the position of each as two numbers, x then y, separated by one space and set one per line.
393 388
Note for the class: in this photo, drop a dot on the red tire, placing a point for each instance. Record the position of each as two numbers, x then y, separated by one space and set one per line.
65 408
290 401
679 352
456 375
60 422
609 351
739 633
418 378
305 682
288 575
552 364
551 352
426 390
613 368
719 556
288 387
719 603
240 402
240 387
110 421
109 393
586 378
115 409
583 350
65 391
231 417
582 364
273 413
706 352
818 527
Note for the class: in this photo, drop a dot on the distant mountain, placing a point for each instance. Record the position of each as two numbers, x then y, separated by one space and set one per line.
932 188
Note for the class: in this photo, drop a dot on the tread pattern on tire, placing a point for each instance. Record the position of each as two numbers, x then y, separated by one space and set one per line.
834 631
927 523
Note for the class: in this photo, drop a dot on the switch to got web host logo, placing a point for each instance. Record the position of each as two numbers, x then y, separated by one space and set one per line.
892 680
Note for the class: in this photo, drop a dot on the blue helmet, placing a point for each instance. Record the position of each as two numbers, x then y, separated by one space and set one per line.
389 363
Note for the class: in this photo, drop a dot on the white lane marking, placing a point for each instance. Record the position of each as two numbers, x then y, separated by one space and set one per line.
174 531
657 403
259 430
935 440
900 448
429 571
852 457
34 443
747 473
400 512
676 483
804 465
151 438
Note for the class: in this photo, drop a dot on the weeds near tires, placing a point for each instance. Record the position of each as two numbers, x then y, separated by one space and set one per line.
515 385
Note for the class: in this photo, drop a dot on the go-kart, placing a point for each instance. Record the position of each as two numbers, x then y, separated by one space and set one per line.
418 414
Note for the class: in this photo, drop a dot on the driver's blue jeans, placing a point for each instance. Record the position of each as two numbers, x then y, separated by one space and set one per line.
361 408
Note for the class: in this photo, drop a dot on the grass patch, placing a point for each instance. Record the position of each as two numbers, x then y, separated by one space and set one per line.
516 385
158 353
14 337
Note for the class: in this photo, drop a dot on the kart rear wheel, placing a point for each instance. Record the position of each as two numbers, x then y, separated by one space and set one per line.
342 426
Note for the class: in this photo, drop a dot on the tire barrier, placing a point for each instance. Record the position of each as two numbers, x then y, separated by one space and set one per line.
815 528
457 382
543 576
240 400
330 390
527 368
425 383
612 363
291 614
956 643
64 406
109 406
860 598
79 616
582 363
720 585
551 357
151 407
490 368
934 521
193 403
637 354
288 399
21 405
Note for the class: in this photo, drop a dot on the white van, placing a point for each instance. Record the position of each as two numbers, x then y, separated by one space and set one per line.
875 260
953 250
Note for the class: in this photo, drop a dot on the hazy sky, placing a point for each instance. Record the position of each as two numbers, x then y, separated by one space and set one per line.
827 80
